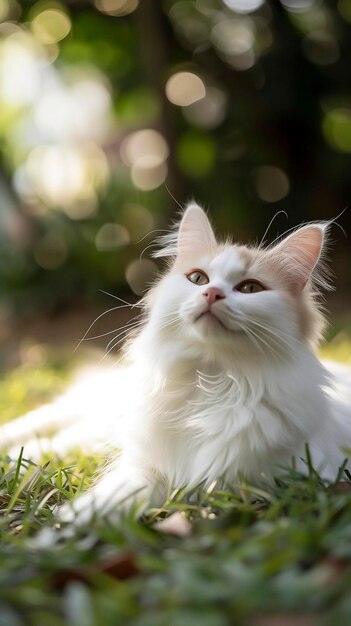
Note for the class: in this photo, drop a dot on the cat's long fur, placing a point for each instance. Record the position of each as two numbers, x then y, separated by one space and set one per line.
209 390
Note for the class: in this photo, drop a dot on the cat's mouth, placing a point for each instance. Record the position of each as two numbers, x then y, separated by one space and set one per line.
209 316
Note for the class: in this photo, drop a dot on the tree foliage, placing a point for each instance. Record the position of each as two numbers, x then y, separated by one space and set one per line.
105 105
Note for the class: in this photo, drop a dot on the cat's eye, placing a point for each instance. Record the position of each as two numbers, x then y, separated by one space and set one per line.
198 277
250 286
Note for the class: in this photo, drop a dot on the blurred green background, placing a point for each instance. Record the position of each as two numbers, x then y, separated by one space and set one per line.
110 107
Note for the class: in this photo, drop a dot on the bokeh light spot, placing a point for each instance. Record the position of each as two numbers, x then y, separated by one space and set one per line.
116 7
56 173
321 48
344 8
139 275
243 6
146 152
298 6
9 10
271 183
234 40
51 251
67 176
189 19
82 209
233 37
144 143
137 219
79 109
208 112
111 236
148 172
336 128
5 6
20 78
51 25
185 88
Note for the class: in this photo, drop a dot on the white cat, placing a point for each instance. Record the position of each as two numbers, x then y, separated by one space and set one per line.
221 383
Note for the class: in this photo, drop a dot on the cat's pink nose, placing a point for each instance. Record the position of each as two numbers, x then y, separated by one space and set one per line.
212 294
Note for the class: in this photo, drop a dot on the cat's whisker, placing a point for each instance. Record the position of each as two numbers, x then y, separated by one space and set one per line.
151 232
232 321
253 338
153 244
113 343
258 341
273 330
137 319
169 323
109 332
269 225
263 338
271 336
110 350
277 336
169 319
277 354
172 196
115 308
274 334
165 326
122 333
171 314
132 305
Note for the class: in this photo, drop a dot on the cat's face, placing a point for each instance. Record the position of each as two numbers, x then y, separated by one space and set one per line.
230 299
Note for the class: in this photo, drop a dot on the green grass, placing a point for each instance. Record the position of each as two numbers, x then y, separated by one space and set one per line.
280 557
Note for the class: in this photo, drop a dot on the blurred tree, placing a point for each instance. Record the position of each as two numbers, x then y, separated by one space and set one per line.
243 104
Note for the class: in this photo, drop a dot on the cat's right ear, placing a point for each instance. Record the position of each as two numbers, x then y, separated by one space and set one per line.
195 234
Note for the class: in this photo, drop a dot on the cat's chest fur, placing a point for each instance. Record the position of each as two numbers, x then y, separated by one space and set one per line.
226 424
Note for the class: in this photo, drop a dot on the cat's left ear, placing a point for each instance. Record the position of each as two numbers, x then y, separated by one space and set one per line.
299 254
195 234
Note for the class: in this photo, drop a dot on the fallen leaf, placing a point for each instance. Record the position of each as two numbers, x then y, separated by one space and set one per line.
121 566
